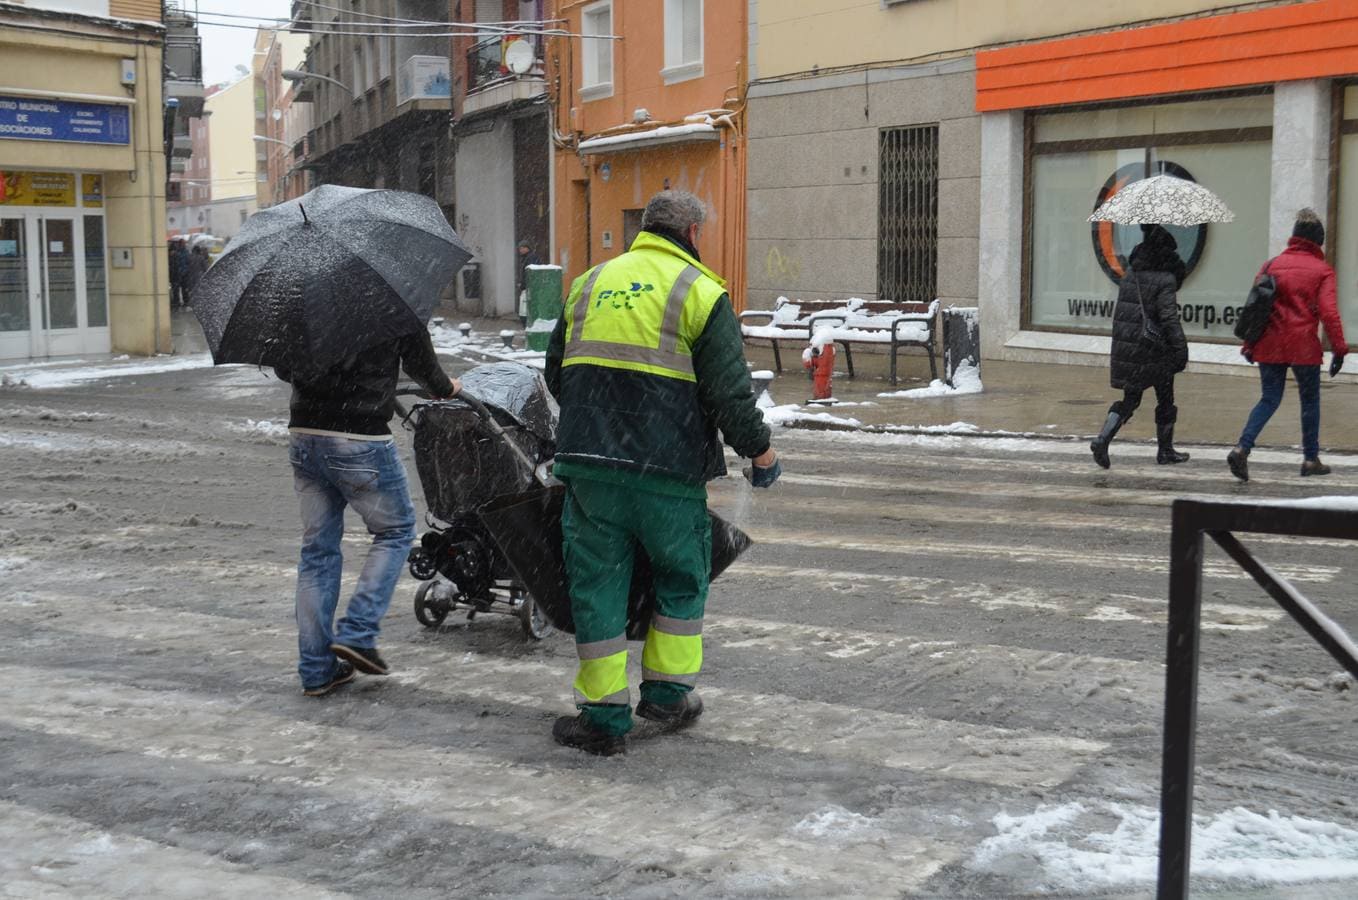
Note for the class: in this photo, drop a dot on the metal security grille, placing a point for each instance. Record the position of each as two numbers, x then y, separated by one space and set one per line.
907 212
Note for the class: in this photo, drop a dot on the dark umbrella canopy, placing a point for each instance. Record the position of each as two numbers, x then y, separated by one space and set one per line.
312 281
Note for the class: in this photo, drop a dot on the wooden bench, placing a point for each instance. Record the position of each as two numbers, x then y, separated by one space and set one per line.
881 322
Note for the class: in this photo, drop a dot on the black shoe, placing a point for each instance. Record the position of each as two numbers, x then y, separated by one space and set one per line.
1314 467
366 661
577 732
1169 456
1238 460
681 713
344 673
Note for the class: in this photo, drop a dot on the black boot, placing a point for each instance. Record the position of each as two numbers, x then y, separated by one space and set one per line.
1099 446
1165 417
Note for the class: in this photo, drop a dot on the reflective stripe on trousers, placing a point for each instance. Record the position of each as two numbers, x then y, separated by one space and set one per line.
673 651
602 676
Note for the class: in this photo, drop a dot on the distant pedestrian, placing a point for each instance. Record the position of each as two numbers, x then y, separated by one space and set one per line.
179 264
527 257
1304 298
1148 292
343 454
198 263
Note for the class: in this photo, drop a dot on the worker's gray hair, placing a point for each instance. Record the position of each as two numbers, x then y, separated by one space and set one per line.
673 211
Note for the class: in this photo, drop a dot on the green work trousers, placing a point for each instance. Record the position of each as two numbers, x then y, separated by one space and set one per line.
602 526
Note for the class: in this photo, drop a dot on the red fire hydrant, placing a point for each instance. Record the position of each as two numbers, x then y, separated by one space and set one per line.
821 363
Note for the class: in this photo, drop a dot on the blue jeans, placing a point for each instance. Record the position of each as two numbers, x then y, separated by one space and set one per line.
1272 378
330 473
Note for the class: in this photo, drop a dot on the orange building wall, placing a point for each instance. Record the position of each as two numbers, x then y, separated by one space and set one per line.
587 205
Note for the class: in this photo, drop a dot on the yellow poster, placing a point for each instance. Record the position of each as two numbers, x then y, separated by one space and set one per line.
36 188
92 190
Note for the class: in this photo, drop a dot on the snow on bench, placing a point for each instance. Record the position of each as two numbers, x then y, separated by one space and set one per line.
854 321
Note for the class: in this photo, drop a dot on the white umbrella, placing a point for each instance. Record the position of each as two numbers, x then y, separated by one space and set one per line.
1163 200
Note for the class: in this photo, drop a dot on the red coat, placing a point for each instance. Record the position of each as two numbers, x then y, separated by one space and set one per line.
1305 298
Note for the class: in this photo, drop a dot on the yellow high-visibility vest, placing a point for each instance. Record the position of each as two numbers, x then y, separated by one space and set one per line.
641 311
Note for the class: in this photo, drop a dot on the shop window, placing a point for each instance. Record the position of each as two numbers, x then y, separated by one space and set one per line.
96 273
1079 158
683 40
1344 237
597 51
907 214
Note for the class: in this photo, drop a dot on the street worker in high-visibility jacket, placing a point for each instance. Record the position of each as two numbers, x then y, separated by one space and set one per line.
647 364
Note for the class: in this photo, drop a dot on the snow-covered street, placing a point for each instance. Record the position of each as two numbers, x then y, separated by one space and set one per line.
937 673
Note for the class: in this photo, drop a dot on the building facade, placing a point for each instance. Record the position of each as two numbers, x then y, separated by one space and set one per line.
217 189
381 95
660 108
281 121
956 150
503 151
83 267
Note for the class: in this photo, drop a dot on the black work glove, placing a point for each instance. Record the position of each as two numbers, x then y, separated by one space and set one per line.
763 476
1336 364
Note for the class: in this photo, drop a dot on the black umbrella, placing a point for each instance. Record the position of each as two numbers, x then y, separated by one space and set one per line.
312 281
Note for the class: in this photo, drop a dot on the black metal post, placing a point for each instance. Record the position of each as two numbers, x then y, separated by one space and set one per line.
1181 702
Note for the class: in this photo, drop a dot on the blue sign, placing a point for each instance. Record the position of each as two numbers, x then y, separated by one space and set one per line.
35 119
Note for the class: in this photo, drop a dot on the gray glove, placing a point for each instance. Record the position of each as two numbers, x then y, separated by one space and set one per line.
763 476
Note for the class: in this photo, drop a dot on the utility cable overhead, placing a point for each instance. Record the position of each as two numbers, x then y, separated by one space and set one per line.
464 30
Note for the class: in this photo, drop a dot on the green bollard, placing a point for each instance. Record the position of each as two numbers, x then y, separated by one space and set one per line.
544 304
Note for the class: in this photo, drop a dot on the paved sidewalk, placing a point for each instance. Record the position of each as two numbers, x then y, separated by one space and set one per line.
1065 401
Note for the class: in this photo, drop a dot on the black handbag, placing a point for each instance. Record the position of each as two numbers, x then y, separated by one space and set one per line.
1254 316
1152 335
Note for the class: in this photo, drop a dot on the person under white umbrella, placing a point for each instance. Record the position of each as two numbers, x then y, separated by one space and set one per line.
1149 347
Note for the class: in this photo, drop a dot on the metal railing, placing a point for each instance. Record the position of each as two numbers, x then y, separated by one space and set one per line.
1219 520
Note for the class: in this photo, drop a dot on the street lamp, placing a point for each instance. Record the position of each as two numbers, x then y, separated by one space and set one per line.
295 75
260 137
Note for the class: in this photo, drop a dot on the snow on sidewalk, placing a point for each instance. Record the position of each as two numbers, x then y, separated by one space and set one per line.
51 375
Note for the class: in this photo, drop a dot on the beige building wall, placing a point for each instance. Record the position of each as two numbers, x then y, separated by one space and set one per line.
134 175
802 35
231 143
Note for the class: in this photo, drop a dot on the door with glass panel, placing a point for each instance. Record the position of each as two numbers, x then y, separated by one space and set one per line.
53 291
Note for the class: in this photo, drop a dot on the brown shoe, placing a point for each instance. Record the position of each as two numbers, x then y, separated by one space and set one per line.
1314 467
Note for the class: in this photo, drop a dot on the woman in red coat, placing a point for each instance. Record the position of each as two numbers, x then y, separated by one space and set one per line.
1305 297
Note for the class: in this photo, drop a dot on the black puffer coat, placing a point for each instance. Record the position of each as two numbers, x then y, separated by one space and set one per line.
1157 272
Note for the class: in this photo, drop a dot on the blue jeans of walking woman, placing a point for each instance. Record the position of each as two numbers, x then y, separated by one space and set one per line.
1272 379
330 473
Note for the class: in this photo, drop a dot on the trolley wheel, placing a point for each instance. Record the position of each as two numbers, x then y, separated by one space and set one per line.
532 619
429 612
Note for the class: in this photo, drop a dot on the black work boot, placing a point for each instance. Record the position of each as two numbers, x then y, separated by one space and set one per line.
1164 433
680 713
578 732
1314 467
1099 446
1239 461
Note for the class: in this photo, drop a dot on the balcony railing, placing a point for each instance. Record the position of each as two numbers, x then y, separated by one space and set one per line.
423 78
485 60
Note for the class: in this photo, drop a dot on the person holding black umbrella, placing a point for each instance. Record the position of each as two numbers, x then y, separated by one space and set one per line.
333 291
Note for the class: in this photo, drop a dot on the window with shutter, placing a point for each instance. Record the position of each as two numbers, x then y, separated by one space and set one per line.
683 40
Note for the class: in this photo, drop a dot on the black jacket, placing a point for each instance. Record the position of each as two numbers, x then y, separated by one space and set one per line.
1153 279
358 396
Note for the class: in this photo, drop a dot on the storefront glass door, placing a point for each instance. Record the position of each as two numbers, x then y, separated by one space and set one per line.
53 299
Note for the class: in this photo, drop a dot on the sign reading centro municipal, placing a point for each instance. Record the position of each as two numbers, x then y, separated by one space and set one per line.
36 119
